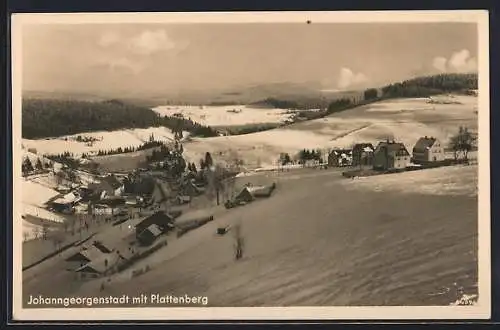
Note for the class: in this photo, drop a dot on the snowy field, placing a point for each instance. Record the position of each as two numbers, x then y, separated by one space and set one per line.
404 120
105 140
372 123
366 248
232 115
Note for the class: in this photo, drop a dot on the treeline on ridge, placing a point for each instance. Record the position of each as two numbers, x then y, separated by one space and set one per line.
431 85
416 87
49 118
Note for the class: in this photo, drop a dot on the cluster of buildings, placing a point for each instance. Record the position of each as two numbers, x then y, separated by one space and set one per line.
114 250
135 204
389 154
97 198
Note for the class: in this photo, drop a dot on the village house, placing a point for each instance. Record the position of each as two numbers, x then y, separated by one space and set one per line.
362 154
110 185
84 256
99 266
391 155
149 235
428 149
64 203
340 157
162 219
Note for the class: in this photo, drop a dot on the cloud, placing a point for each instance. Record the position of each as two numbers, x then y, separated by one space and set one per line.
130 53
348 78
459 62
144 43
149 42
440 63
108 39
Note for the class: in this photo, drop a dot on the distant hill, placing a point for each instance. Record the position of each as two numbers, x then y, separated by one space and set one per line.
50 118
303 93
66 113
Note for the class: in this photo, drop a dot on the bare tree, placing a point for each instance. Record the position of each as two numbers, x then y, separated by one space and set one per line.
36 232
230 184
73 225
239 242
45 231
463 142
215 179
56 241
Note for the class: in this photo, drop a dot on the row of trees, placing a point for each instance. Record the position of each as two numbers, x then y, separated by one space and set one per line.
66 158
304 103
302 156
28 167
120 150
305 155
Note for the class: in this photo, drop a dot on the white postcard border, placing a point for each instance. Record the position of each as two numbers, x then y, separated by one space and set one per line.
481 310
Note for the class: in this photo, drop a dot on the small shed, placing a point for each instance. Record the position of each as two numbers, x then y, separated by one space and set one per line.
244 196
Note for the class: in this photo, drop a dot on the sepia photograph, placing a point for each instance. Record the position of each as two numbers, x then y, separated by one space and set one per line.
251 165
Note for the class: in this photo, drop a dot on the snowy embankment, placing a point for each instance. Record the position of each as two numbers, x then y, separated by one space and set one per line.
459 180
231 115
102 141
34 196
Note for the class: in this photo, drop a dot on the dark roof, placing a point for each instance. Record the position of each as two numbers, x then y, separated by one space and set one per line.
154 229
394 148
101 247
424 143
244 195
112 181
340 151
361 146
87 254
158 218
88 268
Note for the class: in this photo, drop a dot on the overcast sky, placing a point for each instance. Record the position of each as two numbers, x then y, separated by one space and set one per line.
162 57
